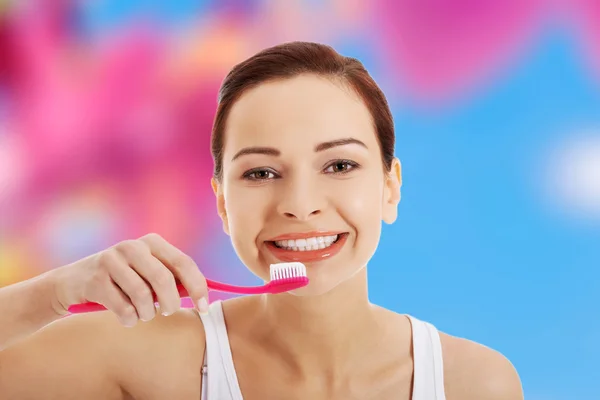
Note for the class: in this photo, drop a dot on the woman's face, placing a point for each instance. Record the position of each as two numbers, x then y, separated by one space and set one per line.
303 180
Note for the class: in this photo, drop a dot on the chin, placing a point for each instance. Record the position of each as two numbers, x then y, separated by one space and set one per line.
322 283
312 290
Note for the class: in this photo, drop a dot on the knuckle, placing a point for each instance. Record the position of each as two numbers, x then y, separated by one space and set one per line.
99 278
141 292
126 311
106 260
162 278
118 306
152 238
183 262
130 247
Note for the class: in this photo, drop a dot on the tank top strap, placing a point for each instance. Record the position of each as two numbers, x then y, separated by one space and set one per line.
219 380
428 380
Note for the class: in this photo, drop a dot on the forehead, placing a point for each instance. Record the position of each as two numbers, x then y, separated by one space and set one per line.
306 108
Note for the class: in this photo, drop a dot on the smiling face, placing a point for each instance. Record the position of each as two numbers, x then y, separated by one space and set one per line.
303 180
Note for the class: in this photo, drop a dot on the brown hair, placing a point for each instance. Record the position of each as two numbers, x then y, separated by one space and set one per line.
291 59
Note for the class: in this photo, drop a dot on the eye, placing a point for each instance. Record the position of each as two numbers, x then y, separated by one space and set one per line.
259 174
340 167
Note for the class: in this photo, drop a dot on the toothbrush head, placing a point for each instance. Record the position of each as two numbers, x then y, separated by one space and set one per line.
287 276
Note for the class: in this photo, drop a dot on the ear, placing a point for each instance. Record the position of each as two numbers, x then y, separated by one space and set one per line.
218 190
391 192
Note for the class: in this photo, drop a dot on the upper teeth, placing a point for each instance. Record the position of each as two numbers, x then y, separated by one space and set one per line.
313 243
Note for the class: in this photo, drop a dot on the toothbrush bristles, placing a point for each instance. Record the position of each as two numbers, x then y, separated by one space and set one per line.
287 271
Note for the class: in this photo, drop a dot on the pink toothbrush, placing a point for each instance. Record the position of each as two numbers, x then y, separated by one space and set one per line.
284 277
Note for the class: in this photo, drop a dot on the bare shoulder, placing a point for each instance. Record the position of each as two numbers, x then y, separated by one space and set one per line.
94 357
474 371
166 356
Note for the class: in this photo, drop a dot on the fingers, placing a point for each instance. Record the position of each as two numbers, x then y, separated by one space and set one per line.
136 289
121 305
147 274
130 277
182 266
107 293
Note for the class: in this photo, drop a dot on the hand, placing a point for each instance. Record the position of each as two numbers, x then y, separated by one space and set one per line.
123 277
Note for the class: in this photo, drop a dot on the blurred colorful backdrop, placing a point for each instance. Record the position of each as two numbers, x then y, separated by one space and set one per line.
105 116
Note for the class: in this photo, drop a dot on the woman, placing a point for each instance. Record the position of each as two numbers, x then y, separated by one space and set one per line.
303 144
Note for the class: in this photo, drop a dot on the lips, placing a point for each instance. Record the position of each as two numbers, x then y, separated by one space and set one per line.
308 247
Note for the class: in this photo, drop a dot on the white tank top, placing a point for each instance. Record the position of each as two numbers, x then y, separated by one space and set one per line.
219 380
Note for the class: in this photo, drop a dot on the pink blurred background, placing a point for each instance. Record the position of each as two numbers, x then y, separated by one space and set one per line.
106 109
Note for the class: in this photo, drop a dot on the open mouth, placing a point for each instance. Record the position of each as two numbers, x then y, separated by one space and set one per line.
307 244
308 249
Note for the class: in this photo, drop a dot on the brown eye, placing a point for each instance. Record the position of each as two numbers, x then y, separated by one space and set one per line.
259 175
340 167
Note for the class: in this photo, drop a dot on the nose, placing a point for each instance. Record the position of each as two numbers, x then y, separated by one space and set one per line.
301 200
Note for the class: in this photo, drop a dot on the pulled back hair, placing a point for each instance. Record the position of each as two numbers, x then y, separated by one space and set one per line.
292 59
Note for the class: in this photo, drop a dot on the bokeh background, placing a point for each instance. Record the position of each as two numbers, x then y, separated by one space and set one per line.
105 116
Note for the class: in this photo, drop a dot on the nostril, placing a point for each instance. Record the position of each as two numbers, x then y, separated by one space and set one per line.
292 215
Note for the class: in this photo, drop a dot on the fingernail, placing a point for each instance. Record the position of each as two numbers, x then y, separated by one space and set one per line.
162 312
203 306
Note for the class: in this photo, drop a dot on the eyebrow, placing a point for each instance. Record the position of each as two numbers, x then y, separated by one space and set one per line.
270 151
340 142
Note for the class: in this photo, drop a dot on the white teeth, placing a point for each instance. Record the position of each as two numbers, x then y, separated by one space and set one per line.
307 244
287 270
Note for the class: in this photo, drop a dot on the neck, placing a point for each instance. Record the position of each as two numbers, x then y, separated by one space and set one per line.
319 333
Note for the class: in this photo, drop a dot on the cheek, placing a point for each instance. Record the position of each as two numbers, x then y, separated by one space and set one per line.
361 199
246 214
363 210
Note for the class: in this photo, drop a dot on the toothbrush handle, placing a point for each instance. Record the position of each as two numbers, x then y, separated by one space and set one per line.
224 287
212 285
